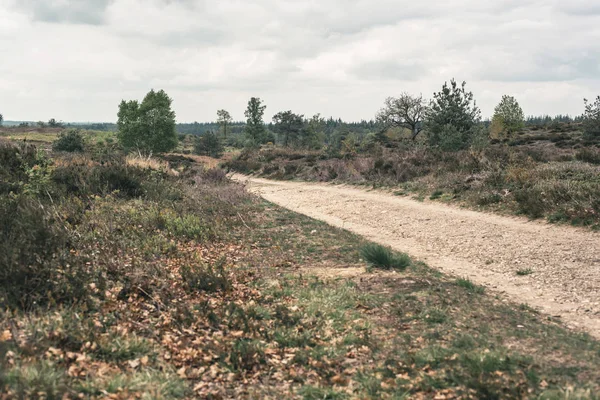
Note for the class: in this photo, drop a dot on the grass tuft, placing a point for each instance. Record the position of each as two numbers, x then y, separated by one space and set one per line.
377 256
469 285
524 271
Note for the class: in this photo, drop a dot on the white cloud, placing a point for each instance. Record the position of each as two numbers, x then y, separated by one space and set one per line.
75 60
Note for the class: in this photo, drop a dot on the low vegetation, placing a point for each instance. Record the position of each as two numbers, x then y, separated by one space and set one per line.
125 277
534 177
378 256
130 275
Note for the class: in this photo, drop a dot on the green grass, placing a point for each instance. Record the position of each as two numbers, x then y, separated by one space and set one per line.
378 256
524 271
469 285
436 195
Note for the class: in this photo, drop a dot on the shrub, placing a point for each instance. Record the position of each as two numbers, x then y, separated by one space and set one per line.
37 267
209 145
207 278
17 163
378 256
531 202
589 155
246 354
70 141
87 178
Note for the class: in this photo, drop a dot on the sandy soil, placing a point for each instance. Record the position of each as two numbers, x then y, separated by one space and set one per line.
487 248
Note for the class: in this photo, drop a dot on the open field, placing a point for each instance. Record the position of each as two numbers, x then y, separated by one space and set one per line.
125 279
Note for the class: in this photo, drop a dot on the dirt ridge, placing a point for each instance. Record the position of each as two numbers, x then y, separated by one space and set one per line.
487 248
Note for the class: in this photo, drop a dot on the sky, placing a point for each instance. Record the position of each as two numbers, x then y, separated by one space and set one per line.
75 60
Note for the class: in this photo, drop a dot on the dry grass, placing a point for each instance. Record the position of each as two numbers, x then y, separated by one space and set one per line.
150 163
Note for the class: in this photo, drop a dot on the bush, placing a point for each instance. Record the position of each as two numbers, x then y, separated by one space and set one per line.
209 145
378 256
206 278
70 141
88 178
18 166
589 155
37 266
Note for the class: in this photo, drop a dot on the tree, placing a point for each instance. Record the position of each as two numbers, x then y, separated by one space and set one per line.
405 111
1 119
255 127
452 117
508 117
591 118
209 145
53 123
148 127
288 126
224 119
313 134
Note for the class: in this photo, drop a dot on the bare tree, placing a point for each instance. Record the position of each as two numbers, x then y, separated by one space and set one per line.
405 111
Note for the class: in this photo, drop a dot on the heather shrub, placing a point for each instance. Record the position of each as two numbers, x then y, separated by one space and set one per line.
70 141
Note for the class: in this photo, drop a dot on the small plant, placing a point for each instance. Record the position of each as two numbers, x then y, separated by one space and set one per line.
70 141
469 285
207 278
434 315
378 256
245 354
436 195
524 271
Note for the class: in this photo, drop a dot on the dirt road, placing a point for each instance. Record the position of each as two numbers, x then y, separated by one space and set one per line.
487 248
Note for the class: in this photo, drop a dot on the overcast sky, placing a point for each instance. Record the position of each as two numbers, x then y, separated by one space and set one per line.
75 60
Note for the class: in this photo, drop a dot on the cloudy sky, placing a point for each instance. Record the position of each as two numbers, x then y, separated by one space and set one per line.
74 60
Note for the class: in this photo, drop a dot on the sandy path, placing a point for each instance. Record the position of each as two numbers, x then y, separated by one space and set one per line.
487 248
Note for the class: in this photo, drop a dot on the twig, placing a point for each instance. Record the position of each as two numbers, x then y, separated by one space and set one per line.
243 222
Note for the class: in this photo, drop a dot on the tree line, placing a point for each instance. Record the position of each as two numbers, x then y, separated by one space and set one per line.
450 120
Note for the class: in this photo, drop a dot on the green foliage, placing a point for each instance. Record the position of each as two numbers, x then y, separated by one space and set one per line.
508 116
255 126
116 178
524 271
469 285
206 278
452 117
37 267
29 381
53 123
209 145
148 127
591 118
378 256
22 168
70 141
1 119
289 126
313 134
224 119
436 195
246 354
321 393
